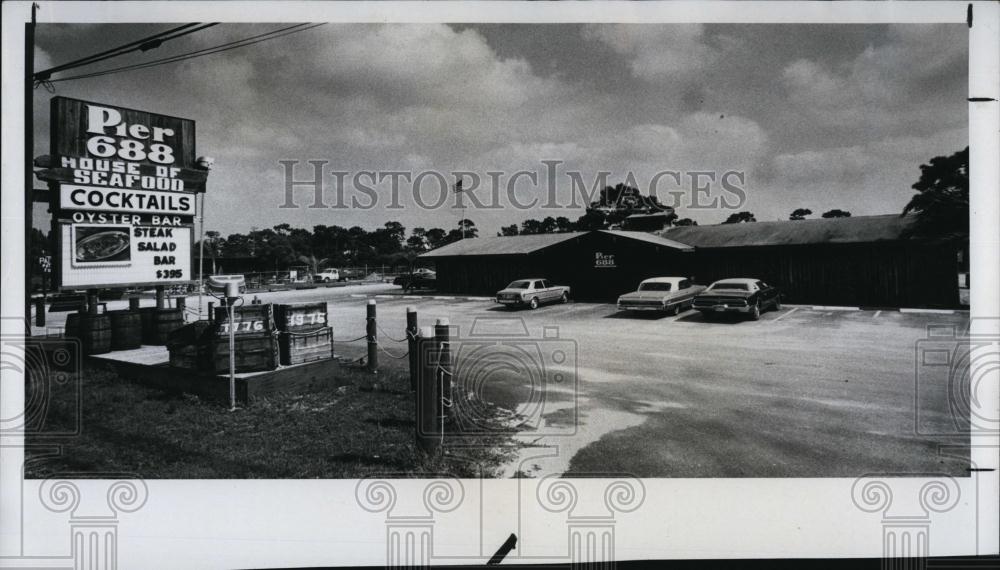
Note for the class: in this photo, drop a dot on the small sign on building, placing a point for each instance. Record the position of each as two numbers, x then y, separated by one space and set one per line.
604 260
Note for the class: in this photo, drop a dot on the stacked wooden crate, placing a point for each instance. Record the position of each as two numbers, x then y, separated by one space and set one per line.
304 333
254 334
204 345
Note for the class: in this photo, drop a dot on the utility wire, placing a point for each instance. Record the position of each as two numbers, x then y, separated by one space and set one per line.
199 53
143 44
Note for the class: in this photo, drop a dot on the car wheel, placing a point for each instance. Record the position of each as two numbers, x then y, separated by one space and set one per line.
533 304
755 311
565 297
674 311
777 303
326 280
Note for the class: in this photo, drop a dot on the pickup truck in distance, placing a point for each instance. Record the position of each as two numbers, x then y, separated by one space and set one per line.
532 293
328 276
419 279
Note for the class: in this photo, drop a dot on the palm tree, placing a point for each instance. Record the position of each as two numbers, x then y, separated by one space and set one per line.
314 263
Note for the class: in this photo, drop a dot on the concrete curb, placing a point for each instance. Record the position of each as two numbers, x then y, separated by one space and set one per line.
422 297
906 310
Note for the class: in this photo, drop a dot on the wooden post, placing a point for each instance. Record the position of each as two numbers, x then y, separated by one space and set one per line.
411 341
211 311
91 301
372 333
40 312
161 299
428 425
181 303
133 304
442 336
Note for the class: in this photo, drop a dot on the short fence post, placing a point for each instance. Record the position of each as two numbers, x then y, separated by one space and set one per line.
211 311
40 312
427 424
372 334
133 304
181 303
411 341
161 298
92 301
442 333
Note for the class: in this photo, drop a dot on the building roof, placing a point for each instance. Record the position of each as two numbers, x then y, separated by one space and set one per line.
524 244
860 229
649 238
505 245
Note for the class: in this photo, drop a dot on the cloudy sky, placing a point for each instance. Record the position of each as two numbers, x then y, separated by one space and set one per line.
817 116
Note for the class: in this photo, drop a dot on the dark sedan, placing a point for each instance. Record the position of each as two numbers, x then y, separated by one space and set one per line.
748 296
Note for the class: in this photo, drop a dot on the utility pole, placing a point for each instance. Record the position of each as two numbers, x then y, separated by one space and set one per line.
458 190
29 151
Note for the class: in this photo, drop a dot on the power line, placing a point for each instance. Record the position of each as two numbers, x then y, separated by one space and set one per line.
199 53
144 44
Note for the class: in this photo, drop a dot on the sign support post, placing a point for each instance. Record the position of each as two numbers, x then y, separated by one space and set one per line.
232 294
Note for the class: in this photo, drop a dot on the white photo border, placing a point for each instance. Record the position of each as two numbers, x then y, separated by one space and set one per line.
288 523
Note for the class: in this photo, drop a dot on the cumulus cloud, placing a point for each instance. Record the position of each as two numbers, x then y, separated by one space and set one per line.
637 98
657 53
882 83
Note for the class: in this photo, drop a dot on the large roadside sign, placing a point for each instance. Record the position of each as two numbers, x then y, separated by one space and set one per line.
124 185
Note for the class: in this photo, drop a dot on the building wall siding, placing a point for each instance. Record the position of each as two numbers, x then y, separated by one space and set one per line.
889 274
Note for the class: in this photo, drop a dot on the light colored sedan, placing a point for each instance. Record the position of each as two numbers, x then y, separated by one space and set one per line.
667 294
532 293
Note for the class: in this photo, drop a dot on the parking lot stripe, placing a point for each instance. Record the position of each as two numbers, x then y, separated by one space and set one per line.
785 314
928 311
877 313
834 308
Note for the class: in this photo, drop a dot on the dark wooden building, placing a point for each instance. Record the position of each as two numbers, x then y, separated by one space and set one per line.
860 261
597 265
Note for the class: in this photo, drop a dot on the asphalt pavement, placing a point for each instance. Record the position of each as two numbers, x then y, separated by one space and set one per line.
803 392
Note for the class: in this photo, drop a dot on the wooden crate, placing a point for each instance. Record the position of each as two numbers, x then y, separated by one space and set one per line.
298 348
186 356
301 317
186 345
252 320
253 353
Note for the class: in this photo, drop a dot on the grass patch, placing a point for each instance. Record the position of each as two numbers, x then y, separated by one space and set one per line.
339 433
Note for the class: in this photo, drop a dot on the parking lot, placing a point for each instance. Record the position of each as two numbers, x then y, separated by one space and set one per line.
803 392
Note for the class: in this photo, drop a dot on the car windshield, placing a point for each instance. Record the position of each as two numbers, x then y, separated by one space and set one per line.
733 285
519 285
654 286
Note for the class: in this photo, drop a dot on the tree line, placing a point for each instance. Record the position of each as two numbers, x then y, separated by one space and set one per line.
941 206
324 246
